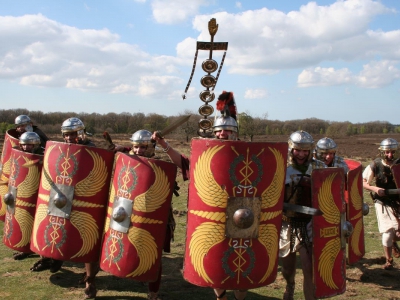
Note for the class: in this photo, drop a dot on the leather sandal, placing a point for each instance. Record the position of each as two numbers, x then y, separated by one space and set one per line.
42 264
389 264
21 255
90 289
56 265
83 278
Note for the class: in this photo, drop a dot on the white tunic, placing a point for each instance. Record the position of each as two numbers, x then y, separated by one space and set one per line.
386 219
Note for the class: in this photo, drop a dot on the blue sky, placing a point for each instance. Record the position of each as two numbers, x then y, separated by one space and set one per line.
331 60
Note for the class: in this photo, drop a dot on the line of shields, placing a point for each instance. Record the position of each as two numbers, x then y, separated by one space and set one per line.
86 204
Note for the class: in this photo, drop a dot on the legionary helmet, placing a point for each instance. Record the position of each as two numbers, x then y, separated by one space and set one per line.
300 140
225 123
74 125
325 145
24 120
30 138
388 144
143 138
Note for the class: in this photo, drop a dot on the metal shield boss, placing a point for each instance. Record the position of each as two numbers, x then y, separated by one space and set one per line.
20 199
72 202
137 217
235 203
10 141
355 211
329 238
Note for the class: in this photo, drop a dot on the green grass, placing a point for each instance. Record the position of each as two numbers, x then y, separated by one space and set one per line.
365 280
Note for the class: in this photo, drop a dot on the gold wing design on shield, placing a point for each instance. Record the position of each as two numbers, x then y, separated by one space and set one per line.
6 170
47 181
30 185
327 261
203 239
109 209
208 189
331 214
356 236
146 249
41 213
25 221
96 179
268 237
3 206
271 195
88 230
326 202
156 195
7 165
357 202
356 198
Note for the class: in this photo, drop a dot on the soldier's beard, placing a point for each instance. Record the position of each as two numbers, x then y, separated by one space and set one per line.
389 160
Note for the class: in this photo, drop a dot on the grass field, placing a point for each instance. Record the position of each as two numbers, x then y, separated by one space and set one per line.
365 280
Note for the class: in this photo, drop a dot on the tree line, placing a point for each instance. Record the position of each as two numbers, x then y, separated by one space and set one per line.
128 123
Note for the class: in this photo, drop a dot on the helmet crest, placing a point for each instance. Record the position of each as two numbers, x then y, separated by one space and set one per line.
227 106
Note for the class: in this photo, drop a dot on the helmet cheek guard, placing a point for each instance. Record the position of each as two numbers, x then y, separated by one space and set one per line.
143 138
30 138
226 123
388 144
74 125
325 145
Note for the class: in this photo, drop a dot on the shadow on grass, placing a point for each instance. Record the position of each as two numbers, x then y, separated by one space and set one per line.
387 279
173 285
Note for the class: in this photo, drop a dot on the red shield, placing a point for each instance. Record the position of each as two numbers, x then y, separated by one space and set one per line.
396 174
354 215
329 244
137 217
23 185
10 141
234 213
72 202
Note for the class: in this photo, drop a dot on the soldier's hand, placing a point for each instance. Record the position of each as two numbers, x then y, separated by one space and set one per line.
156 137
118 148
381 192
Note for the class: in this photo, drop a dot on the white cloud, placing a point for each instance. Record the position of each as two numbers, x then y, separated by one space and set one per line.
155 85
265 41
175 11
324 77
376 74
35 50
238 4
255 94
